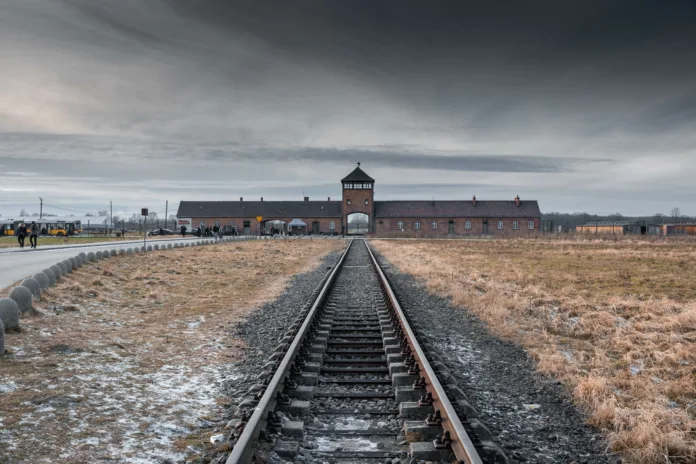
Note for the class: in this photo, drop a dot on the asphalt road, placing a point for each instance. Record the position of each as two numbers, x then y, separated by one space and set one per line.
17 264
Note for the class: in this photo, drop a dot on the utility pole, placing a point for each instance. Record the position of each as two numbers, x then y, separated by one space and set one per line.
111 207
41 208
166 211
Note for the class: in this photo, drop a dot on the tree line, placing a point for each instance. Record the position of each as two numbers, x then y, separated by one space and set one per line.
570 220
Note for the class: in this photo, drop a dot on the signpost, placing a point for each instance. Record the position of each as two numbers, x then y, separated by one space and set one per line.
143 212
259 218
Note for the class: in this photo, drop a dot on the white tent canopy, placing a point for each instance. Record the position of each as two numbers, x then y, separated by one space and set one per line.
297 223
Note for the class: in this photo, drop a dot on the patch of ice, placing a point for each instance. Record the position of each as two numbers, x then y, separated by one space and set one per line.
358 444
8 387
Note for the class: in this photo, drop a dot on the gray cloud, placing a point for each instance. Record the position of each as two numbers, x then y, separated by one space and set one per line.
135 100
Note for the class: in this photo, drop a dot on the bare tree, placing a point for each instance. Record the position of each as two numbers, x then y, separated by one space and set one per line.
102 212
675 213
23 213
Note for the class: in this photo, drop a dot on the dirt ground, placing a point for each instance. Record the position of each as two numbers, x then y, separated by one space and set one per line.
125 361
615 320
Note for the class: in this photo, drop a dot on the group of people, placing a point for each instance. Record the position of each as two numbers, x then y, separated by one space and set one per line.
22 234
216 232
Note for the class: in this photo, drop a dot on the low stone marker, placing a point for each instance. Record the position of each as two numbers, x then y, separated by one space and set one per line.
68 265
57 272
169 246
156 247
91 257
98 254
149 248
42 279
136 249
76 264
9 313
51 276
22 296
121 252
129 251
113 252
2 340
33 285
63 269
83 255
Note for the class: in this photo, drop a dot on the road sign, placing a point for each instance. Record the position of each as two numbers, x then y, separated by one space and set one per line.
259 218
143 212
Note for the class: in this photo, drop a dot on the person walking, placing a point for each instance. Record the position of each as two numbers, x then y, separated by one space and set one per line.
183 231
33 238
21 234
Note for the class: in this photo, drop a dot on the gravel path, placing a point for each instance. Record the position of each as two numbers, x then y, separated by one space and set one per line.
532 416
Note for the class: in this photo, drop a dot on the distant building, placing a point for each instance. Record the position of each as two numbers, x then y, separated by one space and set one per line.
618 228
678 229
357 213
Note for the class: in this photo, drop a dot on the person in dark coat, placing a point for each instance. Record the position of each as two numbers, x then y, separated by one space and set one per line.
183 231
21 234
34 234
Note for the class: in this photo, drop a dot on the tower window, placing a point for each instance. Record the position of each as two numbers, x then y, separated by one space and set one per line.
348 201
366 202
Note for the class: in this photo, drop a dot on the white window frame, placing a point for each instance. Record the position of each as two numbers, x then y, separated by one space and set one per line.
433 225
500 225
332 225
530 225
400 225
416 225
515 225
467 225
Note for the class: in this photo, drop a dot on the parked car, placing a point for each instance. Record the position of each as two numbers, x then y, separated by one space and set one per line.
160 232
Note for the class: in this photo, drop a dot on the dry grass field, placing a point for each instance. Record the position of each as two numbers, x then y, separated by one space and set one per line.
614 320
125 359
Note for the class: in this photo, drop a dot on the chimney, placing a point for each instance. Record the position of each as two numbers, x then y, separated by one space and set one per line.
306 198
241 198
328 199
261 198
517 200
473 200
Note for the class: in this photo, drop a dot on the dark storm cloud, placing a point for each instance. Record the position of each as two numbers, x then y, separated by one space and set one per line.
274 95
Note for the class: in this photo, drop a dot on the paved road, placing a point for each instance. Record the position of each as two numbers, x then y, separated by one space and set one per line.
17 264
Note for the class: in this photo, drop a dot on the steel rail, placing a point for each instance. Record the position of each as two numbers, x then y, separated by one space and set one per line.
462 446
243 450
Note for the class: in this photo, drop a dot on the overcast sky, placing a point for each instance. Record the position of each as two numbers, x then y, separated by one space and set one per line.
584 106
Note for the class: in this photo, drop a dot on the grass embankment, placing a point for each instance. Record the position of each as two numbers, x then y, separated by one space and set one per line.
614 320
124 361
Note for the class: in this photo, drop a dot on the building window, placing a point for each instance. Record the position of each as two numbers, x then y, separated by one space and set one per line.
467 225
416 225
332 225
500 225
217 223
400 225
515 225
348 201
433 225
530 225
367 202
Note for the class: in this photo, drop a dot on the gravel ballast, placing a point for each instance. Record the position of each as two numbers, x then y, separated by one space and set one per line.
532 417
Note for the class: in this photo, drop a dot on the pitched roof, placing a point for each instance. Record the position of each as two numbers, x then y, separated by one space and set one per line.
461 209
358 175
267 209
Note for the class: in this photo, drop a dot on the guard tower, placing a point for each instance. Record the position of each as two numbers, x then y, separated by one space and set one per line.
358 202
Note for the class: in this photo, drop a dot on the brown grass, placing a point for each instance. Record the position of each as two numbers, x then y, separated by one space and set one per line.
615 320
125 326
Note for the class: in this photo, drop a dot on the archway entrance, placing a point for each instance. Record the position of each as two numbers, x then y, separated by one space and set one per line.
274 227
357 224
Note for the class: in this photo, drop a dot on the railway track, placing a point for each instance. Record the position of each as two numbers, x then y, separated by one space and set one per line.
349 382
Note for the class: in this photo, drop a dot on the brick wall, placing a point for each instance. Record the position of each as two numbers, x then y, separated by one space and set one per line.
389 227
324 223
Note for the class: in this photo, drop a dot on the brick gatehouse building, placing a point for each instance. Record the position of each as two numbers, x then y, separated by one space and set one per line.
358 213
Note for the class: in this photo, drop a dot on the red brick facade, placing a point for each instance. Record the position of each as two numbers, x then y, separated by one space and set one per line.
389 227
452 218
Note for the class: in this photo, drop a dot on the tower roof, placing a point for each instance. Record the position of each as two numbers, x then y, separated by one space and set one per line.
358 175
